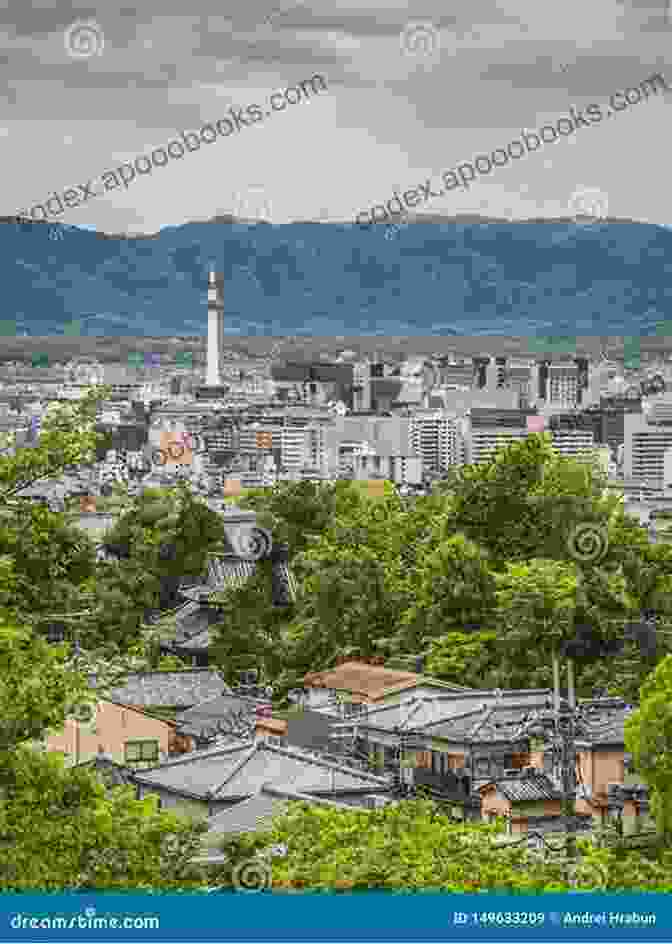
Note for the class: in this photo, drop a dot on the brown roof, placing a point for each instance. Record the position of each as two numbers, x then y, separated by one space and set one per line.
368 681
275 726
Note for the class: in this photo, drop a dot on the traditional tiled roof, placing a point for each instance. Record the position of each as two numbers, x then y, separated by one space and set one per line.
192 623
606 726
258 811
487 723
202 720
240 771
525 789
226 572
429 712
168 689
368 681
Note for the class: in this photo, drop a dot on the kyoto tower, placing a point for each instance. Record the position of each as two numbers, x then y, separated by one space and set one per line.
215 327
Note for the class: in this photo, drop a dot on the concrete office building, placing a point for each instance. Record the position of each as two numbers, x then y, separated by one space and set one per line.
574 442
402 470
488 430
644 448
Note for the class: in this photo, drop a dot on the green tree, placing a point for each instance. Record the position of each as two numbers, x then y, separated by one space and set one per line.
60 829
648 736
414 845
293 511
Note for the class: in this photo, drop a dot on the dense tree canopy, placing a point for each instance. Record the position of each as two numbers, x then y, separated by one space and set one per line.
503 562
58 827
414 845
648 735
486 576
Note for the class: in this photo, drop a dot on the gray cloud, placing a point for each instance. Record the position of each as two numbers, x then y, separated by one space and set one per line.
389 116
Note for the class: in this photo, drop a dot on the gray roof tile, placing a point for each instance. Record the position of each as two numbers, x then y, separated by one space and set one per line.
202 719
168 689
415 714
242 770
258 811
527 789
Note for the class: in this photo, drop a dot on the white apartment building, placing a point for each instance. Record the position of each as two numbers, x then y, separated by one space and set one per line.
483 442
574 442
491 429
667 468
563 384
295 447
437 437
402 470
644 447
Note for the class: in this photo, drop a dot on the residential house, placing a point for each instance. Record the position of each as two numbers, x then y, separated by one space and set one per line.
229 714
311 730
452 743
258 812
206 782
602 764
352 687
127 735
167 693
519 797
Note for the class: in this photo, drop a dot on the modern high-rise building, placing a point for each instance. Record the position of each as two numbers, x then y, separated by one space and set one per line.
436 437
563 384
215 328
491 429
644 447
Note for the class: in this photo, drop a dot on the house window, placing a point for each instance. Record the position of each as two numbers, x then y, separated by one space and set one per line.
482 767
137 752
274 739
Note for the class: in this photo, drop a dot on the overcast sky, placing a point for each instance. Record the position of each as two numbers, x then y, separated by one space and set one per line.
410 94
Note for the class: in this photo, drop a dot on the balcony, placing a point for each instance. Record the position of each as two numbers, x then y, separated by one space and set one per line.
448 785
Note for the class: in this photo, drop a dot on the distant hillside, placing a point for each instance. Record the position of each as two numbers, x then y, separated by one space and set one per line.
308 279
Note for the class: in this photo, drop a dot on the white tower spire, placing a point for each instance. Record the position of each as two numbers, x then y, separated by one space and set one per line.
215 327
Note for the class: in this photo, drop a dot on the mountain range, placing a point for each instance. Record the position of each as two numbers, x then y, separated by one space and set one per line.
466 276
